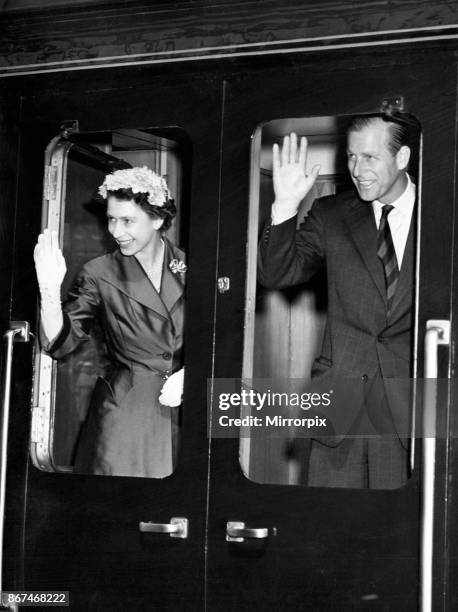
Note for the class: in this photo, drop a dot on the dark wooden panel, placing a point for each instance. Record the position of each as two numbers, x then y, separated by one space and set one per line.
139 31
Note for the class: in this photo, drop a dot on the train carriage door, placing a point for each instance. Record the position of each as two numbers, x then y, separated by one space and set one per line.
113 541
275 541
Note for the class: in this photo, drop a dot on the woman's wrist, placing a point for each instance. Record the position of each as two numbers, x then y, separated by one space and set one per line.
50 296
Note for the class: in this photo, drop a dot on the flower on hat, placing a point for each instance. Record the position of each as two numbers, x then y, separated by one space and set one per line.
139 180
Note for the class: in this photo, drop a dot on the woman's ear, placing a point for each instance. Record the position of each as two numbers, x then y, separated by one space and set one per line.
158 223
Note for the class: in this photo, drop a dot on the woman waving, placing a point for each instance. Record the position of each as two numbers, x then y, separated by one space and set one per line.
137 294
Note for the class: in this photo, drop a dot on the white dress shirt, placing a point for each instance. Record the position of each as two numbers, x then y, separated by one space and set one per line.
399 218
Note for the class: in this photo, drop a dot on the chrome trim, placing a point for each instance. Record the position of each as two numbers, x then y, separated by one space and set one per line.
42 430
416 316
21 329
250 284
239 50
437 332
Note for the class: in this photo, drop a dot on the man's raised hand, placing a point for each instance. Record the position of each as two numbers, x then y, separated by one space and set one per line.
291 184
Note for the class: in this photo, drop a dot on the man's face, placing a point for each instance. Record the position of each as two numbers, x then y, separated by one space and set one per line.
375 172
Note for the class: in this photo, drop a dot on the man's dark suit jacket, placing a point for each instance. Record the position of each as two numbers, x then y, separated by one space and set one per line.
361 341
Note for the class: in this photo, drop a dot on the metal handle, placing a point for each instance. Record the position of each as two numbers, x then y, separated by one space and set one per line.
20 332
177 528
237 532
437 332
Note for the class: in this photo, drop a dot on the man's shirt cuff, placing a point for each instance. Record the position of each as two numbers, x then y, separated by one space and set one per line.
278 217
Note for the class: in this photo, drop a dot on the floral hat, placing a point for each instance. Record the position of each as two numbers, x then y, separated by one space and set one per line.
139 180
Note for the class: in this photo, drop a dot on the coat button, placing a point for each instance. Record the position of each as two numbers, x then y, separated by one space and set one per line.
166 355
364 377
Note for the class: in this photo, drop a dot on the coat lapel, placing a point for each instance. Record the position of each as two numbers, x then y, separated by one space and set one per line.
361 223
128 276
172 283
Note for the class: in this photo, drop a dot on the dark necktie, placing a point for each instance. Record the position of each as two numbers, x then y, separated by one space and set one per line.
387 254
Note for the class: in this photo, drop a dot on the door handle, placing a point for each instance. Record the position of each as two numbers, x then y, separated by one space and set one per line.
437 332
237 532
177 528
19 331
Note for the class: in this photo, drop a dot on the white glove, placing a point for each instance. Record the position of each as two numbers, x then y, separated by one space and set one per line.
172 390
50 268
49 264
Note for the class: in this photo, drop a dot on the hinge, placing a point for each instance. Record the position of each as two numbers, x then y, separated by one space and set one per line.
224 284
69 126
51 183
395 104
38 424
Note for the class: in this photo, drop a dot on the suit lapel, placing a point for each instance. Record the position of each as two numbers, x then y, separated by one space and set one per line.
361 223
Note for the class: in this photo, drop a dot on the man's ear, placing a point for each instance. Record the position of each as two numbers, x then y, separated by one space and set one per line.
403 157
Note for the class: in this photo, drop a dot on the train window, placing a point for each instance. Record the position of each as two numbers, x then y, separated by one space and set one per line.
96 405
327 344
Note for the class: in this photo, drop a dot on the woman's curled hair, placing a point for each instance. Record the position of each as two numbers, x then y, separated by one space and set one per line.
166 212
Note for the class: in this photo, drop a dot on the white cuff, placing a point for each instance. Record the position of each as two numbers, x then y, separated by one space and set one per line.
279 216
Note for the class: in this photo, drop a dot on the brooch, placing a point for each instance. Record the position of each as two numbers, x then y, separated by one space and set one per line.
177 266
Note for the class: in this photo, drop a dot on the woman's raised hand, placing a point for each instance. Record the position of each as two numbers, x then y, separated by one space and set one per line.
50 267
49 261
291 184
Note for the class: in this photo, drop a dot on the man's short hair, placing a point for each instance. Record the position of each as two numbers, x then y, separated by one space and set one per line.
402 128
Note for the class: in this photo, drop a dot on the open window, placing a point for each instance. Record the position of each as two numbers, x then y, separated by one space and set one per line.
284 328
75 166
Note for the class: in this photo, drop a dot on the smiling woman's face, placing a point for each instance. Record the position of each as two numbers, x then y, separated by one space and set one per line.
132 228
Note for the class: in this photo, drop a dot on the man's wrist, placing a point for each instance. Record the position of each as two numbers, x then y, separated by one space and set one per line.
282 210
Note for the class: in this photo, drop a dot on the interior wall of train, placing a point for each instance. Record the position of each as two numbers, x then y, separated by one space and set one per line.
206 519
